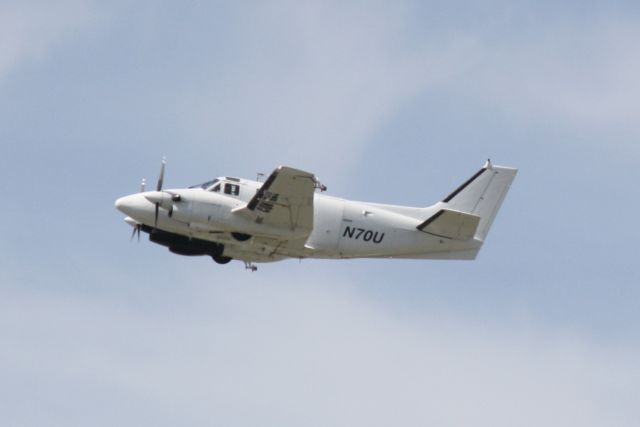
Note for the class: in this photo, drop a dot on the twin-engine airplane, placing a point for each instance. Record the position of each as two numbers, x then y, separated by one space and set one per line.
285 217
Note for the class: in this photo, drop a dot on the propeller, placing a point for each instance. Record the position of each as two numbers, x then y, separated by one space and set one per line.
161 177
137 227
136 230
159 188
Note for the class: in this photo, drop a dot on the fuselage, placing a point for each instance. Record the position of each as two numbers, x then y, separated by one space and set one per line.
286 217
341 228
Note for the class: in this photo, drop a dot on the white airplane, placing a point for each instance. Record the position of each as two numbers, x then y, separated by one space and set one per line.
285 217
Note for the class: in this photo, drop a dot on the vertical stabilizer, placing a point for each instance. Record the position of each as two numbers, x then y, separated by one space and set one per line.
482 195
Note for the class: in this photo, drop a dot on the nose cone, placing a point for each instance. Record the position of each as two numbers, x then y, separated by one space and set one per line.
125 204
121 204
136 206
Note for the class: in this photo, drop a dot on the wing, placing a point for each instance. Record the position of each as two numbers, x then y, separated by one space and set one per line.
284 201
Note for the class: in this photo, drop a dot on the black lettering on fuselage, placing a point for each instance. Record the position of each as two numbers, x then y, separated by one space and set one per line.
348 232
367 235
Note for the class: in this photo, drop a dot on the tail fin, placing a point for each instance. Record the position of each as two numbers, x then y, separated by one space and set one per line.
482 195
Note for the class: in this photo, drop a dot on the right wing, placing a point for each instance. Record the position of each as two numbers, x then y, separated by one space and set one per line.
285 201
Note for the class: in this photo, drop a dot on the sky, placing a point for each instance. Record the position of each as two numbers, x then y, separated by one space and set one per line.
391 102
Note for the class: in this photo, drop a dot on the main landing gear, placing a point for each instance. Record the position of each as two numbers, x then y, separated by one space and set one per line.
250 266
221 259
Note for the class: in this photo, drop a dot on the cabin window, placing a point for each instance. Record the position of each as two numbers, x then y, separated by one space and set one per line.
216 188
232 189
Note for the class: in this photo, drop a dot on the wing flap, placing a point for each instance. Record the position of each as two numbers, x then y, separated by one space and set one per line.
451 225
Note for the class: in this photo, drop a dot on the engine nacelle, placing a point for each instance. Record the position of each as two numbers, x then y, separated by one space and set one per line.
184 245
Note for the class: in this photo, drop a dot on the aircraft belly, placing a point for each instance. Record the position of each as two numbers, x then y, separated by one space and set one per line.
341 230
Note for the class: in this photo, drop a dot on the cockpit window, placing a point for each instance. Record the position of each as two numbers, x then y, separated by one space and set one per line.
232 189
217 185
206 185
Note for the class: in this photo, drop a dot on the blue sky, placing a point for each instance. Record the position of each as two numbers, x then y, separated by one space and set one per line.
395 102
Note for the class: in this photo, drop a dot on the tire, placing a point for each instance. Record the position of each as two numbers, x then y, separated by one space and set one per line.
221 259
240 237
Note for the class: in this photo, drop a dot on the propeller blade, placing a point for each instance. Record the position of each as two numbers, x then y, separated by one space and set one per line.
161 177
159 188
136 230
142 185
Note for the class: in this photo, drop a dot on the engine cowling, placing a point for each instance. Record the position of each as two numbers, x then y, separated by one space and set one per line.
184 245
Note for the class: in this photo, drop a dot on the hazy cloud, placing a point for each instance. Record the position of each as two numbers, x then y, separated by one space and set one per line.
577 74
29 29
315 80
98 332
312 353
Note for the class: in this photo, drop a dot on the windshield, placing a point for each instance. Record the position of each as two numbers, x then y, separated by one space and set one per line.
206 185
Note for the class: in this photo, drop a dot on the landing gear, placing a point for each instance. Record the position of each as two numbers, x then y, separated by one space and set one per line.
240 237
250 266
221 259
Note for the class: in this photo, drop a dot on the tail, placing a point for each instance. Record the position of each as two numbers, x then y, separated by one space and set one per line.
469 211
482 195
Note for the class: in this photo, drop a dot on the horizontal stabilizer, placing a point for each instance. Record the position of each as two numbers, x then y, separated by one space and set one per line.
451 224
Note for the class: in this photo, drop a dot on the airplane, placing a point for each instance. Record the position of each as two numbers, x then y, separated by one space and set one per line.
286 216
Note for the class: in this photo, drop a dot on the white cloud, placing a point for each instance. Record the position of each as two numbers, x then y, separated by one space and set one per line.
30 29
312 354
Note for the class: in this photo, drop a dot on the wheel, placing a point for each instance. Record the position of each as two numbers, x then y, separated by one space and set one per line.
240 237
221 259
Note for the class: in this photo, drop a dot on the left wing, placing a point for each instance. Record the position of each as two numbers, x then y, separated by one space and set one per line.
284 201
